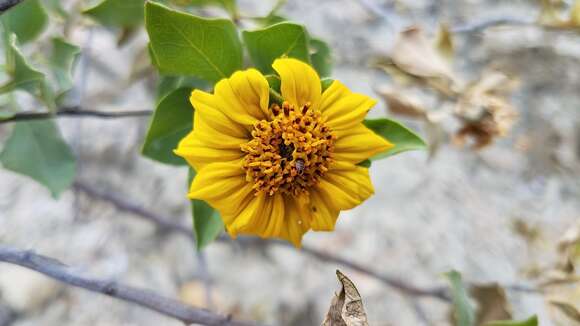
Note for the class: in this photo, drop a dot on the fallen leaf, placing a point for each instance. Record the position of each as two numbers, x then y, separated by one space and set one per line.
400 104
492 303
346 308
485 111
444 42
568 309
414 55
550 15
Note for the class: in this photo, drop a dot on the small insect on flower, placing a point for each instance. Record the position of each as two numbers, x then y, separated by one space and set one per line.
280 169
300 166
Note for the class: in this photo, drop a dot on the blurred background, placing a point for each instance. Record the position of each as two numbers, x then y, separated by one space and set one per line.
496 214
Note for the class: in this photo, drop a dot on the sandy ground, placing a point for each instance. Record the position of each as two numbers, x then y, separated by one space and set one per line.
454 212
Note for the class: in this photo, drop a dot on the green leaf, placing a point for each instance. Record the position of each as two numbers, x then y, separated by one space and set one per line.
325 83
321 57
532 321
22 75
229 5
27 20
36 149
184 44
173 120
207 223
279 40
274 82
365 164
117 13
168 84
62 60
464 311
403 138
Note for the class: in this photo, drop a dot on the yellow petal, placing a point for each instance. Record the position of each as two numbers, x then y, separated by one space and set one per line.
300 83
358 144
261 215
245 96
324 216
345 186
342 108
222 185
250 219
296 222
210 108
198 153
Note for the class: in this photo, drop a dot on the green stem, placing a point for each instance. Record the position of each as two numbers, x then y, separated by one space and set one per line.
275 97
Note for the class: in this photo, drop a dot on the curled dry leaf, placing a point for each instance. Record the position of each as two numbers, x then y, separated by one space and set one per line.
415 58
444 42
485 111
492 303
346 308
400 104
550 15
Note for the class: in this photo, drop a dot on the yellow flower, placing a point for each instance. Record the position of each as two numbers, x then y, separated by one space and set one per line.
279 170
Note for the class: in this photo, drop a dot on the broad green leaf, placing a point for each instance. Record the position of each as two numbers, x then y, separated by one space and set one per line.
270 20
229 5
464 310
403 138
117 13
36 149
207 222
321 57
173 120
532 321
62 61
22 75
184 44
27 20
279 40
168 84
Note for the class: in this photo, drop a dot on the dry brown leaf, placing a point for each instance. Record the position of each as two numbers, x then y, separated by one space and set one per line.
415 55
485 110
346 308
492 303
550 15
400 104
568 309
444 42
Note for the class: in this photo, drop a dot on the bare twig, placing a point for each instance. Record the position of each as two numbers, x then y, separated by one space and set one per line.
491 22
144 298
168 225
77 112
7 4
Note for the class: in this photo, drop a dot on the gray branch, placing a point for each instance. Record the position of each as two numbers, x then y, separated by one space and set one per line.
78 113
167 224
144 298
7 4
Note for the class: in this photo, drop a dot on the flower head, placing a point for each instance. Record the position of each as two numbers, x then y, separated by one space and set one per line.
280 169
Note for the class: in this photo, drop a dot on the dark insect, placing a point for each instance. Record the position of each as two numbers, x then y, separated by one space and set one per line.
300 166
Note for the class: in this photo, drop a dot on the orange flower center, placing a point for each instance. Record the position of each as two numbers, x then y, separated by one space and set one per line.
290 152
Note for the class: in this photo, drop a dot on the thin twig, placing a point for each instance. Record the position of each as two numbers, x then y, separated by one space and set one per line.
144 298
168 225
491 22
7 4
76 112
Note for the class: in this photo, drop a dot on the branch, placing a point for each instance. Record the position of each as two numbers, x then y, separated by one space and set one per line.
472 27
166 224
144 298
491 22
76 112
7 4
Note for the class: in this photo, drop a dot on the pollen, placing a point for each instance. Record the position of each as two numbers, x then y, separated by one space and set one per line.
290 152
